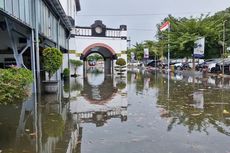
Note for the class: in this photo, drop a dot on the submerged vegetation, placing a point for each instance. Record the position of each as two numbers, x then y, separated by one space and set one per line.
14 84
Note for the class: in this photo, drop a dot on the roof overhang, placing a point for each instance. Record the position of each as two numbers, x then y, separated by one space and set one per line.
60 11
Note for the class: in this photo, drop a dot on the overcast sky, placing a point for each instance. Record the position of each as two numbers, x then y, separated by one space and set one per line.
141 16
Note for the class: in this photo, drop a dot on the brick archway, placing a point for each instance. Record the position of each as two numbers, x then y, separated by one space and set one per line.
86 50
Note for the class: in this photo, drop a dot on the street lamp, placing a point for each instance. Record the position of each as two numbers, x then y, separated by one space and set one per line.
223 45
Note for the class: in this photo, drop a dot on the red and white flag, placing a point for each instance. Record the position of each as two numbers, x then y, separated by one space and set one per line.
165 26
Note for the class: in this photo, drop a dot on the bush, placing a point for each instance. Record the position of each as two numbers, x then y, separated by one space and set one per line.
66 73
14 84
121 65
52 60
121 85
121 62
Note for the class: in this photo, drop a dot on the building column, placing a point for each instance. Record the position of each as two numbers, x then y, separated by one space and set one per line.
33 63
112 67
84 69
37 51
107 66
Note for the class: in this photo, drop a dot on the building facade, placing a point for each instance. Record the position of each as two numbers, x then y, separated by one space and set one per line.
110 43
29 26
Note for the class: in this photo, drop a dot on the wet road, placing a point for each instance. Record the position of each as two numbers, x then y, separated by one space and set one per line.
142 113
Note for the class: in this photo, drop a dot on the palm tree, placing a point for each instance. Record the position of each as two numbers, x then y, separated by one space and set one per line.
139 51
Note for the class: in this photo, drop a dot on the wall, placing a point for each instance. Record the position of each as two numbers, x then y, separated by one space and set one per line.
70 8
80 43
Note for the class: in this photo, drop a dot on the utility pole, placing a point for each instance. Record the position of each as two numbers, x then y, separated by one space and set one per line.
224 29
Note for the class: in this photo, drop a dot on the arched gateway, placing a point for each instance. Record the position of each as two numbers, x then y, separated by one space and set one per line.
110 43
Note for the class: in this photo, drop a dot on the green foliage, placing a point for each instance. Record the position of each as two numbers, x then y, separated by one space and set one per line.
139 51
121 65
121 62
52 60
121 85
66 72
94 57
76 64
14 84
184 31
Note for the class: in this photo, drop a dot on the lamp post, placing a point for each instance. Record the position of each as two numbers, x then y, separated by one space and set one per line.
223 45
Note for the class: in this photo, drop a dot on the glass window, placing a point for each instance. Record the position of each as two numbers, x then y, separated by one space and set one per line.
46 22
30 11
27 13
42 17
9 6
54 29
49 24
16 8
22 10
2 4
39 15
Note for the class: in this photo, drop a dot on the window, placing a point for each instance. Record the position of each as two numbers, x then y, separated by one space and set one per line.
22 9
16 8
30 11
2 4
49 24
39 15
9 6
54 29
27 13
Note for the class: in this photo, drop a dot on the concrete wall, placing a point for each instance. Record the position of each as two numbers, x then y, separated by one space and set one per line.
80 43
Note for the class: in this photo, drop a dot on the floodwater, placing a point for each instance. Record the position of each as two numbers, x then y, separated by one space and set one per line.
144 112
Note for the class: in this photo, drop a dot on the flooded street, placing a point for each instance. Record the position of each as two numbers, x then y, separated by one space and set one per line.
141 113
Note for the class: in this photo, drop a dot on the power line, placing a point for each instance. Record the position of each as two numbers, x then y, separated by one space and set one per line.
133 29
144 14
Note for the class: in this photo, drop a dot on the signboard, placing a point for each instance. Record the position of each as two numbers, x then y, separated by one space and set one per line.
146 53
199 47
132 56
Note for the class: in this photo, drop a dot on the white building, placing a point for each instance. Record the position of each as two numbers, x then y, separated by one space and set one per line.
110 43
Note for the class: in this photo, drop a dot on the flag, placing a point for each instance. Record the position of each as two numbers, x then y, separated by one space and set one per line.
165 26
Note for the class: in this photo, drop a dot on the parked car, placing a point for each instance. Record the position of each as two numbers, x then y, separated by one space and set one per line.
218 67
209 64
154 63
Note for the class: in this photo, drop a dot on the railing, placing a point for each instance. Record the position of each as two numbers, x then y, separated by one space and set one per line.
87 31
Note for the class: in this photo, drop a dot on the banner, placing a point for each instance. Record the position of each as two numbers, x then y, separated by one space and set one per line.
132 56
199 47
146 53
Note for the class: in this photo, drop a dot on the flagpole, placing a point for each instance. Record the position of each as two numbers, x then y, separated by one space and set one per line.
168 58
168 47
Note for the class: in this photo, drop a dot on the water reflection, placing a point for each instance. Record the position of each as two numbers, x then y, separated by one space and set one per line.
90 115
100 100
194 102
54 122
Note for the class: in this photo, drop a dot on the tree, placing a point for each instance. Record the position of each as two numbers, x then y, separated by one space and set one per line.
94 57
153 48
139 51
76 64
52 60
